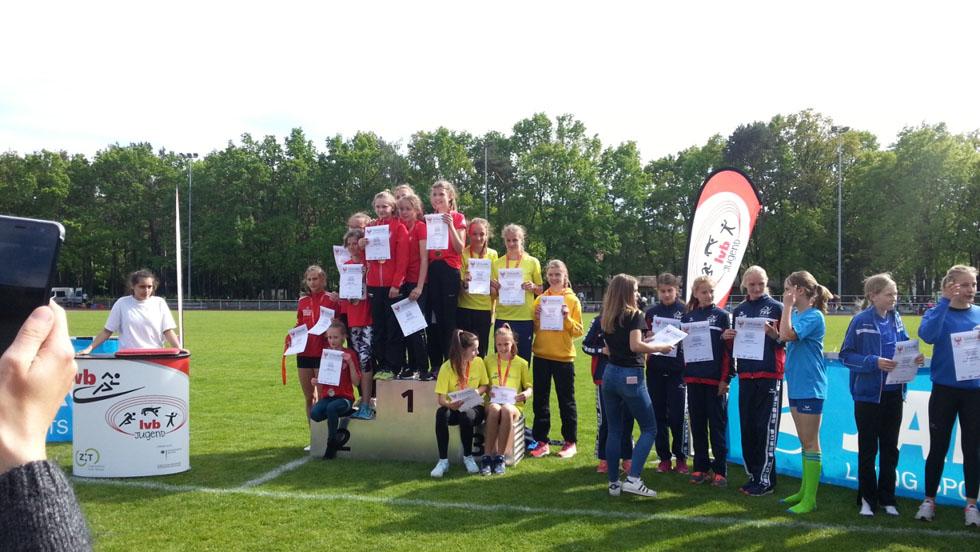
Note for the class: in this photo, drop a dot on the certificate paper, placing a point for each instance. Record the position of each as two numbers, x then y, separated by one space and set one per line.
352 281
340 256
551 318
378 248
326 317
331 365
659 324
504 395
437 233
668 335
905 353
697 344
966 355
510 291
479 271
750 338
297 340
409 316
469 396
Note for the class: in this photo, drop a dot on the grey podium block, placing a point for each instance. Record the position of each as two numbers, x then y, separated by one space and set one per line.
403 428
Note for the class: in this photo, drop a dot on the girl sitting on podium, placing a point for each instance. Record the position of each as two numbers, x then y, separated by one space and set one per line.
463 369
511 372
335 401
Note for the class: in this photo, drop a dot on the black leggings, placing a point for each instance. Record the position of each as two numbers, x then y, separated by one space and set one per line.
945 405
444 284
878 426
466 421
477 322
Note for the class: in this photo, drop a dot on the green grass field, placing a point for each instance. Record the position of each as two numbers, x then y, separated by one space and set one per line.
244 424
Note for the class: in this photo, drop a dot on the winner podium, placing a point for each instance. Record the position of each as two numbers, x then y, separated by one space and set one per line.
403 428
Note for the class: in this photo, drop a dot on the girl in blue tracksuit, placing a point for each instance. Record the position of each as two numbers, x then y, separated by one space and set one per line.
707 386
868 349
594 345
665 381
950 398
760 384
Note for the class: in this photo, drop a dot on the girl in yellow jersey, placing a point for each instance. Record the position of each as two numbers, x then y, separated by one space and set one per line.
554 357
463 369
520 316
475 312
506 370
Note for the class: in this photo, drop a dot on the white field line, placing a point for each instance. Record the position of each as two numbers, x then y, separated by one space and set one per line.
269 476
518 508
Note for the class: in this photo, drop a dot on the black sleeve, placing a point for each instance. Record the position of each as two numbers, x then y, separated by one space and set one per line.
38 511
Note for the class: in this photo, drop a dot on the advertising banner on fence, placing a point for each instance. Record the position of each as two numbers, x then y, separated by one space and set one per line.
131 416
838 439
721 224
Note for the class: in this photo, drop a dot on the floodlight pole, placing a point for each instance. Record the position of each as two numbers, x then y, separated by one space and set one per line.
840 205
486 186
190 187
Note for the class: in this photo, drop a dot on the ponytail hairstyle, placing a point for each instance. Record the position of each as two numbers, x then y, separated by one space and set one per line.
819 295
486 228
618 301
335 323
450 191
134 279
754 269
313 268
461 341
386 196
698 282
875 284
955 272
555 263
415 202
506 331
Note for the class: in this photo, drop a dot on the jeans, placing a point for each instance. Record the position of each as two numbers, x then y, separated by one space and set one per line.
624 387
330 409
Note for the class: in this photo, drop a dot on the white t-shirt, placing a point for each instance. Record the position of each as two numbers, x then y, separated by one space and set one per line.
140 323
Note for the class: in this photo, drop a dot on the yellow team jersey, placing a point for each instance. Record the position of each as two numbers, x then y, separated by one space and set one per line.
448 382
518 377
532 273
557 344
474 302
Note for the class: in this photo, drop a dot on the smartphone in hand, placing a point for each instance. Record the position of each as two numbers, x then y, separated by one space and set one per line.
28 255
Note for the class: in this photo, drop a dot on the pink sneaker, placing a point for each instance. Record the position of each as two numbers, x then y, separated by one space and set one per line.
625 466
603 467
540 450
681 468
663 466
567 450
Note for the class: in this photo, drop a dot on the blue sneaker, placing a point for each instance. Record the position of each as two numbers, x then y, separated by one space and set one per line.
363 413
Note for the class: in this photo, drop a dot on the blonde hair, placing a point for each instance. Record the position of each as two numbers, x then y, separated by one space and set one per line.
450 189
618 301
514 229
416 204
754 269
360 215
335 323
555 263
313 268
698 282
955 272
403 188
875 284
385 195
819 295
506 331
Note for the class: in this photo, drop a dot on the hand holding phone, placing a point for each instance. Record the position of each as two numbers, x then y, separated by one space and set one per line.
28 254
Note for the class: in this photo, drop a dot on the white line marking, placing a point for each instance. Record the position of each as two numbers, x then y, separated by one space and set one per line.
269 476
517 508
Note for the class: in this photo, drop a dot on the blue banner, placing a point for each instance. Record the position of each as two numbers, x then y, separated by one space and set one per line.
838 439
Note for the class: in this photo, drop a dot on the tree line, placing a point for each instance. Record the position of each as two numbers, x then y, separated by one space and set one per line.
264 209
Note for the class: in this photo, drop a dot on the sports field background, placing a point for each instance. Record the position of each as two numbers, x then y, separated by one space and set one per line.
251 486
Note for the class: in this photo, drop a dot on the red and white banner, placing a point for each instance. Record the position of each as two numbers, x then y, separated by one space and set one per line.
721 224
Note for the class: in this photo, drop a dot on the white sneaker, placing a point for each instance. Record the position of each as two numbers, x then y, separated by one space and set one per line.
927 511
615 487
891 510
971 515
441 468
866 509
470 464
306 448
635 485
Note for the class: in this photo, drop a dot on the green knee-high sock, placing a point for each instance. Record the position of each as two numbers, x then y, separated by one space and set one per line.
811 480
794 498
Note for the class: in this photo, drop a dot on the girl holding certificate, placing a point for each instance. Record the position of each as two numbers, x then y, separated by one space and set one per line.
509 371
952 396
358 313
515 280
802 328
760 379
707 374
475 312
557 321
464 370
868 352
336 399
444 267
594 345
410 213
387 262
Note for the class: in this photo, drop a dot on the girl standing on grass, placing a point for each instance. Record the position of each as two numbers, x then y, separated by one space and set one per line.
868 349
463 369
512 372
308 313
951 397
519 317
358 313
554 358
336 400
410 213
594 345
760 384
622 382
475 312
802 328
707 386
444 267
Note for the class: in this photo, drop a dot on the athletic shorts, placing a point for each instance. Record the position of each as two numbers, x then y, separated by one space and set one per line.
807 406
311 363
